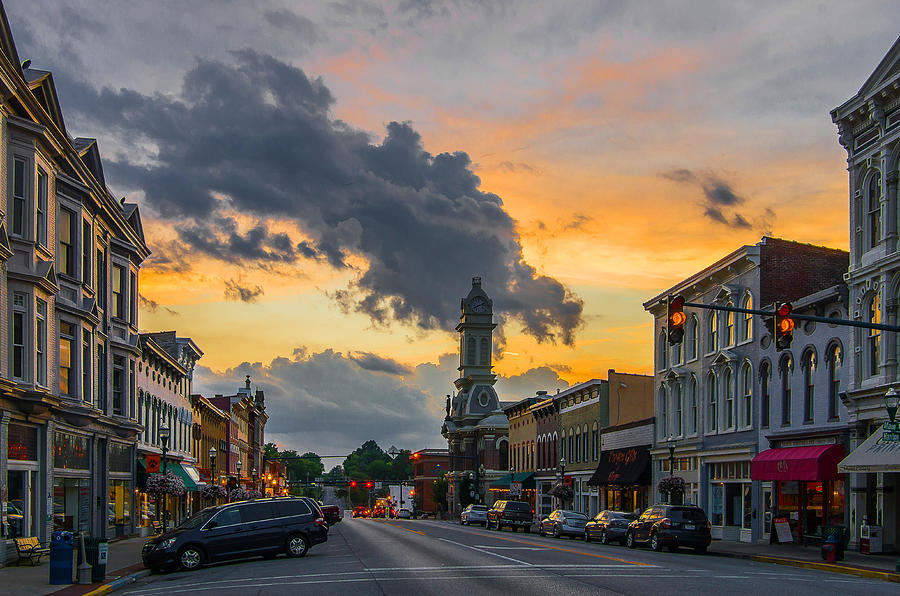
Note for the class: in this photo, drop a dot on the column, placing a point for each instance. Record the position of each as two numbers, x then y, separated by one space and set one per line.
45 440
890 347
857 502
890 198
4 442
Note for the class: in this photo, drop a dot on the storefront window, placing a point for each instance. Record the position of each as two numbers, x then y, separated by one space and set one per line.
119 505
21 443
70 451
836 503
748 507
21 504
717 509
71 504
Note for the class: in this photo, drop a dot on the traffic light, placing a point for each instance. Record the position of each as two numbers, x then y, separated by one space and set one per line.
784 326
412 492
677 318
369 484
353 484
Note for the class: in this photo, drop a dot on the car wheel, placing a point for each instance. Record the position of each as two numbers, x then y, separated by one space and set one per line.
629 540
541 530
655 542
604 539
700 549
297 545
556 533
587 536
190 558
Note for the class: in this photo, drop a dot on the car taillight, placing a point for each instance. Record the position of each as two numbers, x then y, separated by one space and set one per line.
320 521
665 522
708 525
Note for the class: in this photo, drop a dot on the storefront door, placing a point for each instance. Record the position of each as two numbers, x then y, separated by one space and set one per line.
21 505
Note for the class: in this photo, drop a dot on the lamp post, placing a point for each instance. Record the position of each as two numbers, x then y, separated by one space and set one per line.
238 465
512 476
562 476
671 445
479 475
212 467
891 401
164 439
253 474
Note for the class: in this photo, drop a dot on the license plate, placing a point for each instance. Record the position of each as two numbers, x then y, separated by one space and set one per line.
688 526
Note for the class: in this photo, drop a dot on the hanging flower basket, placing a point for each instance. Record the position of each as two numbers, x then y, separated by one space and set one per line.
254 494
213 491
238 494
165 484
672 486
561 491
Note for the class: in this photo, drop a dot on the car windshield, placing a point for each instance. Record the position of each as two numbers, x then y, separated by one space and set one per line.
573 515
198 520
687 514
479 507
622 515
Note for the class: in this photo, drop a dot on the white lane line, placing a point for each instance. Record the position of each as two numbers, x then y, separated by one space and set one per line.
510 547
487 552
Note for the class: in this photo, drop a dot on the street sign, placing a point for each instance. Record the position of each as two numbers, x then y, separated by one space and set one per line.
890 432
377 485
515 488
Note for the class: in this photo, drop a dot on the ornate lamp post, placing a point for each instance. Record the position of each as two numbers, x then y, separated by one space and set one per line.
562 475
512 476
479 496
212 465
891 401
254 474
239 465
164 439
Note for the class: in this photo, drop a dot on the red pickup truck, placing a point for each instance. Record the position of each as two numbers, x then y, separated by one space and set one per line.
332 513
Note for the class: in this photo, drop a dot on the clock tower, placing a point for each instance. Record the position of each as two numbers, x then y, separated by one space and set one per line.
475 330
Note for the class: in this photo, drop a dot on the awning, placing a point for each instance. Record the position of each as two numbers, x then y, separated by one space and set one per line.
873 456
192 472
526 478
623 467
810 463
179 471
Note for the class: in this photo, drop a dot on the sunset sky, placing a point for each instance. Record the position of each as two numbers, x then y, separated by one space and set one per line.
319 181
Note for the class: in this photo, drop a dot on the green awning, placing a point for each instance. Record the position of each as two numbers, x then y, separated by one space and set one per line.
526 478
179 471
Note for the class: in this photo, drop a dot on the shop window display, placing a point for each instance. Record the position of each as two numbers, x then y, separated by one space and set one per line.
71 504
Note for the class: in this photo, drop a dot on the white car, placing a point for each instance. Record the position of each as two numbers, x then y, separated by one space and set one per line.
404 514
474 514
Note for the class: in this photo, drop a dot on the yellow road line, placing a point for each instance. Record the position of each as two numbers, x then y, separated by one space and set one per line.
577 552
398 527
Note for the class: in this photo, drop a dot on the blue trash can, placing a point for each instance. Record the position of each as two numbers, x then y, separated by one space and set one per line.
62 550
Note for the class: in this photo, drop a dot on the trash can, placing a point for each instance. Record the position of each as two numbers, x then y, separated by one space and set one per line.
61 558
96 552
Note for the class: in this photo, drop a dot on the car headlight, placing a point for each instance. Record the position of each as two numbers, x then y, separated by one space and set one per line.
164 544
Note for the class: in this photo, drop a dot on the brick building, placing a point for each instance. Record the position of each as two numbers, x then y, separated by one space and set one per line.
428 465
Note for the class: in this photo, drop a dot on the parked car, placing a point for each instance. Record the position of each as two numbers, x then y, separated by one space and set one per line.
360 511
608 526
563 522
515 514
476 514
404 514
264 527
332 514
672 526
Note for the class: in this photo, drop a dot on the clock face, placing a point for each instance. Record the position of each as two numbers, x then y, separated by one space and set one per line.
478 304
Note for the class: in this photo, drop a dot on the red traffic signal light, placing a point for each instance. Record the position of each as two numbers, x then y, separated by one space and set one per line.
784 326
369 484
676 320
353 484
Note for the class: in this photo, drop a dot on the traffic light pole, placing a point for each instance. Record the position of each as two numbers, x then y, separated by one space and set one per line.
771 313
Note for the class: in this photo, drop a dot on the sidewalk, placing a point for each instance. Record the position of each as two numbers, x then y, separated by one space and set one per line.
124 559
854 563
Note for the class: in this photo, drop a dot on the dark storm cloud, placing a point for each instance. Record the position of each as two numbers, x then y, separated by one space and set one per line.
376 363
152 305
235 290
304 30
221 239
718 195
528 383
258 137
330 403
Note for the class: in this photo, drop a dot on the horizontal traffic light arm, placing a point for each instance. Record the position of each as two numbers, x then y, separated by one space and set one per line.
771 313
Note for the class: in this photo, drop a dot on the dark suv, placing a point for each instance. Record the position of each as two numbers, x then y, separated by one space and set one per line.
515 514
263 527
672 526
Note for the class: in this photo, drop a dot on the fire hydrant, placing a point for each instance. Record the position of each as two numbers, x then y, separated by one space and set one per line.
829 549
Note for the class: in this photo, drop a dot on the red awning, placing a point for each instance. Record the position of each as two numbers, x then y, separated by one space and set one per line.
812 463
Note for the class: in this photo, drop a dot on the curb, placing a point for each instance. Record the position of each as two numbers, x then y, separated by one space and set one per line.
119 583
855 571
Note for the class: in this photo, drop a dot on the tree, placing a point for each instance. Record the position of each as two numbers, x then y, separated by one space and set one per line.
439 492
270 450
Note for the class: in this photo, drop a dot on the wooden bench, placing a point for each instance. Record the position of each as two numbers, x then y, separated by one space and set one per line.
30 548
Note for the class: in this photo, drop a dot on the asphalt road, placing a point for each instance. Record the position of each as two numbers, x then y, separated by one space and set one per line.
426 557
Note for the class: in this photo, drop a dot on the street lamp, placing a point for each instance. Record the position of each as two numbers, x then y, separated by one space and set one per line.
253 473
891 401
671 445
238 465
164 439
562 475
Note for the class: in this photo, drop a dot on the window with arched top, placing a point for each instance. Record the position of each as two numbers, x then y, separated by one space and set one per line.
786 369
873 199
662 351
693 406
663 420
809 384
747 319
562 445
873 341
765 393
571 449
693 331
677 355
595 441
712 403
729 327
834 361
747 395
712 332
584 443
678 414
728 388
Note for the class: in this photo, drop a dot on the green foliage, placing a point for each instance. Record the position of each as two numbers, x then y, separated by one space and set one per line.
270 450
439 492
465 486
